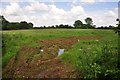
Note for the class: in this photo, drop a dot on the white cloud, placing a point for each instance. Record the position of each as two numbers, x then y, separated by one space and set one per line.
52 1
12 9
74 1
47 14
107 0
110 14
10 0
1 11
104 18
116 9
77 10
15 0
19 0
88 1
36 6
56 11
101 0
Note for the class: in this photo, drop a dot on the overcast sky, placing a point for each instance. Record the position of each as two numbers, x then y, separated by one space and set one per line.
55 12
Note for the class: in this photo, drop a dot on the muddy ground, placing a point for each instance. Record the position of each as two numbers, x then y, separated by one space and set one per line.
42 61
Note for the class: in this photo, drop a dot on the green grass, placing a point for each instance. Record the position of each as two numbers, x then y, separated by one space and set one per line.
95 58
84 56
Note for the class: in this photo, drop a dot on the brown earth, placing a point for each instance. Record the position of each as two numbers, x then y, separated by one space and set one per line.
42 61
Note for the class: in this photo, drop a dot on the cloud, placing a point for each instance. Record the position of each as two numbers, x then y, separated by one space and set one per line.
36 6
110 14
107 0
15 0
101 0
77 10
1 11
19 1
104 18
49 14
52 1
88 1
12 9
74 1
56 11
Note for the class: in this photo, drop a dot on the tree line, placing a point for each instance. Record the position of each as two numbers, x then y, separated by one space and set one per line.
78 24
6 25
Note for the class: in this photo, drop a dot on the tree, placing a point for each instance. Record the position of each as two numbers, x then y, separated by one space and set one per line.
78 24
52 26
89 21
14 25
4 22
56 26
23 25
111 27
30 25
44 26
61 26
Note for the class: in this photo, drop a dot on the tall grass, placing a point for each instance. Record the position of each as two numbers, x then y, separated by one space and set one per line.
95 58
13 40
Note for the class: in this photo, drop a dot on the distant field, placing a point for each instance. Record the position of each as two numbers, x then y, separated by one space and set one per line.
91 53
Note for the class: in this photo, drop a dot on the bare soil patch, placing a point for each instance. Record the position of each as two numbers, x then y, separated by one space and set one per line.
42 61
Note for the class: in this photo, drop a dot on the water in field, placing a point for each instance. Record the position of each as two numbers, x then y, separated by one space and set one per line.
61 51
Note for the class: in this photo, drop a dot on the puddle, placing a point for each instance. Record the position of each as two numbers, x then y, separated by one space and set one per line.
61 51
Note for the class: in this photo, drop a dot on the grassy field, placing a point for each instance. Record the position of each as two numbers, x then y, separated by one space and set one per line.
90 58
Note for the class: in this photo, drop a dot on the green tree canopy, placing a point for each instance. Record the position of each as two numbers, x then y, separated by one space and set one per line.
6 25
89 21
78 24
4 22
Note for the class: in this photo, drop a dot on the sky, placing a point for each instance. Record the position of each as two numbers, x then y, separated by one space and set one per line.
55 12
